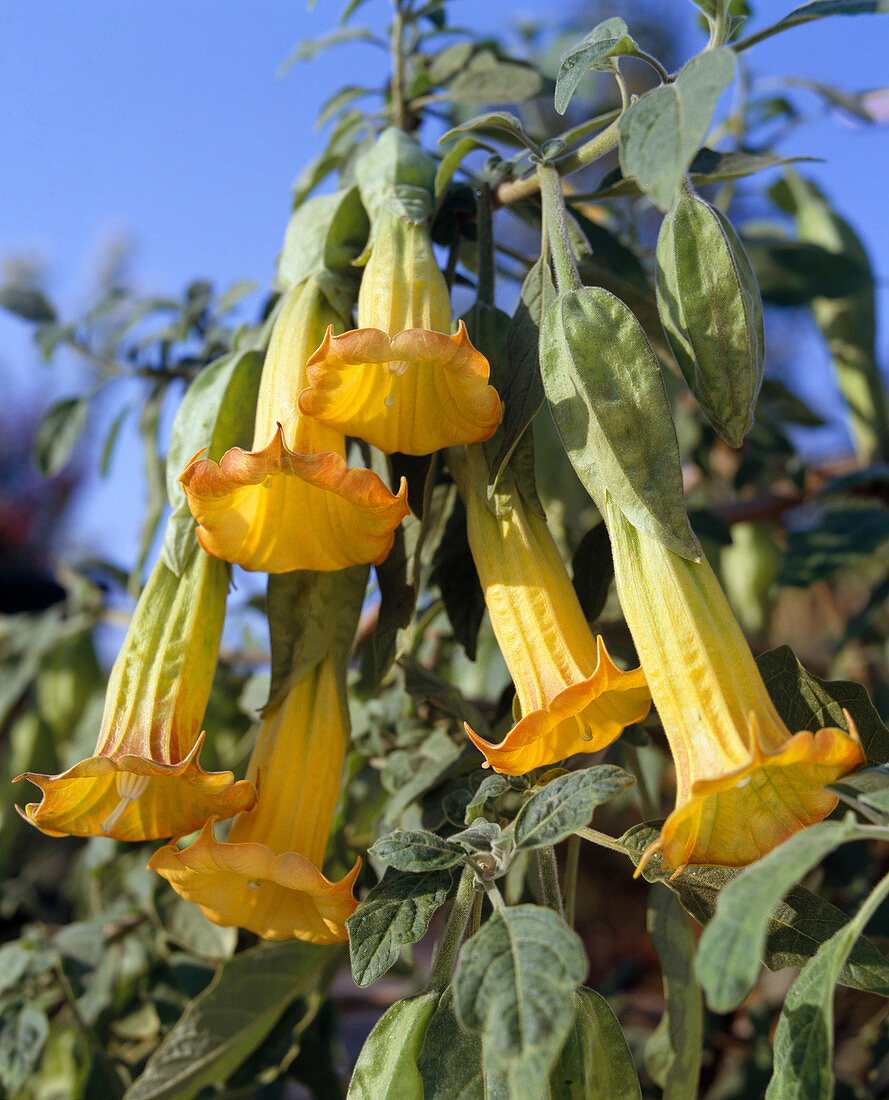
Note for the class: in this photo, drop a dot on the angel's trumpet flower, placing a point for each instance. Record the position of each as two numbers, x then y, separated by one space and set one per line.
265 877
571 697
744 782
144 780
400 381
292 502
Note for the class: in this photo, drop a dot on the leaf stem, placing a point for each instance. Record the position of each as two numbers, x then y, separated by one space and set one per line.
515 190
561 251
602 839
452 937
572 859
549 878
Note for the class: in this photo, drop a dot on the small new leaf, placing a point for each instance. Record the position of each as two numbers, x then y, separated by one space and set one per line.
566 804
608 39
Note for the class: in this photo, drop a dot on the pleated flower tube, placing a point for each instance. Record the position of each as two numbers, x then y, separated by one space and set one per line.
572 698
266 876
143 781
400 381
292 502
744 782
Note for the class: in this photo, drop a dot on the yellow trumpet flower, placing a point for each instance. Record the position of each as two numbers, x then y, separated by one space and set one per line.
266 876
292 502
144 780
744 782
400 381
571 696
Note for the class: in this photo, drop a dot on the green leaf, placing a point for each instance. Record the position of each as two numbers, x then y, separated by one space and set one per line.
311 614
595 1063
324 236
840 538
387 1065
818 9
59 433
806 703
27 303
566 804
661 132
514 987
732 944
792 273
673 1052
451 161
521 389
804 1036
502 124
490 788
396 912
155 473
22 1039
415 851
311 47
592 568
423 683
608 401
488 80
229 1020
609 39
450 1063
453 570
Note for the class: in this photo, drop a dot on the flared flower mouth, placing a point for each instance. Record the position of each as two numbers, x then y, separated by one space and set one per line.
275 510
134 798
247 885
415 392
736 818
585 717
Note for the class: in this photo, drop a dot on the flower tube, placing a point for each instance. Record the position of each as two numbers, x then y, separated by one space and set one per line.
292 502
571 696
400 381
744 782
266 876
144 780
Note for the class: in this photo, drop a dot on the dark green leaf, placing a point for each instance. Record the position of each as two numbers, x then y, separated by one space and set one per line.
792 273
22 1039
514 987
423 683
609 39
595 1063
490 788
27 303
387 1065
733 942
673 1052
451 1060
806 703
592 569
453 570
59 433
396 912
229 1020
566 804
841 537
415 851
607 398
487 80
661 132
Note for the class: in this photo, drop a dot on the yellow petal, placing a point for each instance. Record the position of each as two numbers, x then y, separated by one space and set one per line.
247 885
276 510
585 717
742 815
134 798
414 392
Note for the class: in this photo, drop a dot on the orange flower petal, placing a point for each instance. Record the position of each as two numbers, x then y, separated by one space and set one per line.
278 897
275 510
134 798
740 816
414 392
585 717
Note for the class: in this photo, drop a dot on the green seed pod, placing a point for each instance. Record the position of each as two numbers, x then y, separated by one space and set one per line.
387 1065
711 311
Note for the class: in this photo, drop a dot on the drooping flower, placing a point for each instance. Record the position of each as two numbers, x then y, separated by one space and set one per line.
144 780
572 698
266 876
400 381
744 782
292 502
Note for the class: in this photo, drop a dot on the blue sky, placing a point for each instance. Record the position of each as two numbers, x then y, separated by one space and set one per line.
166 122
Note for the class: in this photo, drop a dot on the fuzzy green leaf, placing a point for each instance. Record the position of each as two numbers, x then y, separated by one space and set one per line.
59 433
609 39
387 1065
566 804
595 1063
415 851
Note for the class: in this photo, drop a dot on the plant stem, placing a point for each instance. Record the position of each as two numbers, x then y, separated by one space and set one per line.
475 917
572 858
603 839
567 276
549 878
452 937
515 190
